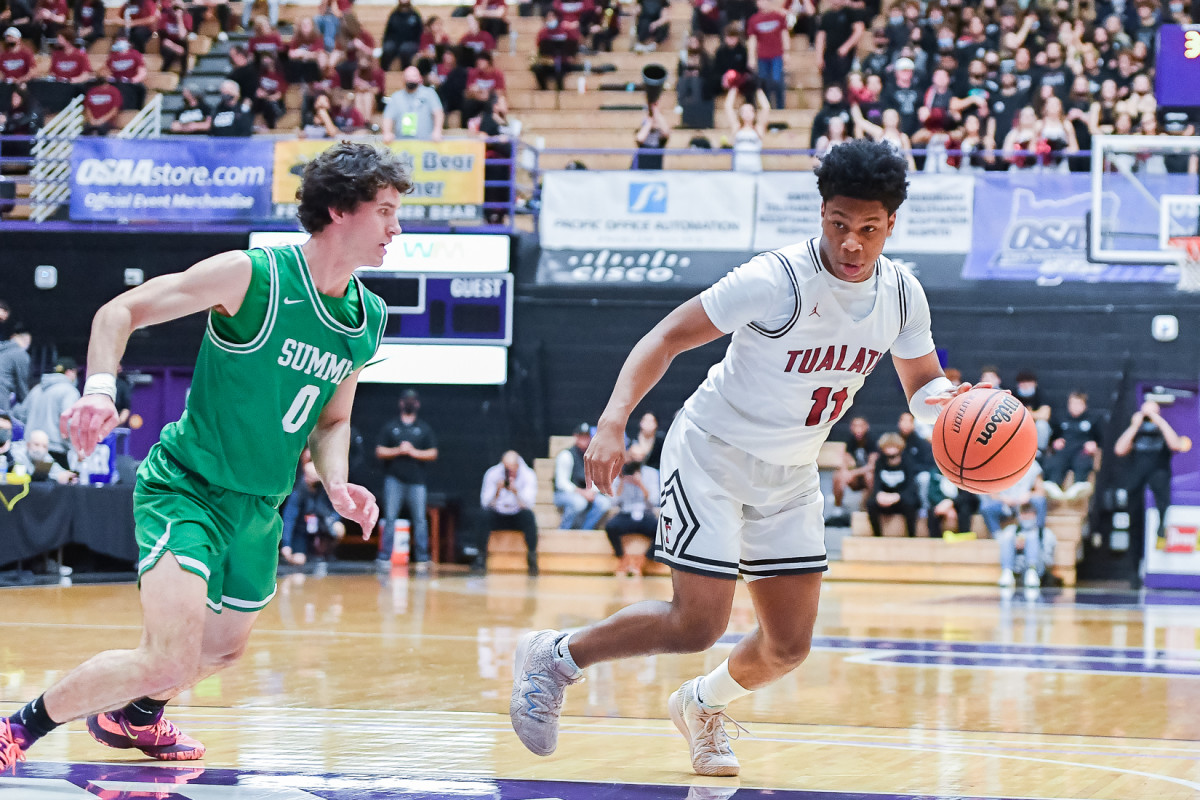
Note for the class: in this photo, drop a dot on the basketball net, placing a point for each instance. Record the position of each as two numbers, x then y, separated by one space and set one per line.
1189 262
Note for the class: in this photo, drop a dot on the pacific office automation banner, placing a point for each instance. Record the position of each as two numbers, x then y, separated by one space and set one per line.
447 178
1031 226
691 228
644 226
170 180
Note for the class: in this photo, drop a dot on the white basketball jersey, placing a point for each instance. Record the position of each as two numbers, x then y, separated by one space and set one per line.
788 377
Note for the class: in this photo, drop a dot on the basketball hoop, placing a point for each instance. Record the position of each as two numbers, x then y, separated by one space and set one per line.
1189 262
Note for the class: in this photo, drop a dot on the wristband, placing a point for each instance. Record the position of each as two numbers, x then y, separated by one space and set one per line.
104 383
922 411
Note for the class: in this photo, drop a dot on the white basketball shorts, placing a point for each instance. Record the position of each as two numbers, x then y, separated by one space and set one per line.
725 512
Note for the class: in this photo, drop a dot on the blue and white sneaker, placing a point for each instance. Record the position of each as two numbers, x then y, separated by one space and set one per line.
540 679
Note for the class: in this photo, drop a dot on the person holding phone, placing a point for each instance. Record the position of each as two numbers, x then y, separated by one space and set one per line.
508 495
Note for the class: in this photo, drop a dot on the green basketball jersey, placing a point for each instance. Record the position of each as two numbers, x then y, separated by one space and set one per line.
253 403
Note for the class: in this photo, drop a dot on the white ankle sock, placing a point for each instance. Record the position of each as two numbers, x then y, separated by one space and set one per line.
562 651
718 689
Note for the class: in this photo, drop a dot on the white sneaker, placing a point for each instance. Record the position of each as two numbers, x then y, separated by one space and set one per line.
540 679
1053 490
1007 581
1032 581
704 729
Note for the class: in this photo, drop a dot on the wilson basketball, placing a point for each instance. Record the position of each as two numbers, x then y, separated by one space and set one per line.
984 441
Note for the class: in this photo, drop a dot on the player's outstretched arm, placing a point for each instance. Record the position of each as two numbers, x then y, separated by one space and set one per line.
330 446
685 328
219 282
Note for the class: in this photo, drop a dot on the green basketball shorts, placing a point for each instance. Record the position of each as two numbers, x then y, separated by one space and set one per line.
229 539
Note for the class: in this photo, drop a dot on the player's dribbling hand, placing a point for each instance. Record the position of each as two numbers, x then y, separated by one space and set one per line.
604 457
87 422
942 399
354 503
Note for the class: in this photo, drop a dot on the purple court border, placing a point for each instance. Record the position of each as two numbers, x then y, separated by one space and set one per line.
99 779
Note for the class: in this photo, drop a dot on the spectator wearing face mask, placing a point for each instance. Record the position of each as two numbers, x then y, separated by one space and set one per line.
34 457
406 445
1035 402
415 112
233 115
1027 546
127 69
896 489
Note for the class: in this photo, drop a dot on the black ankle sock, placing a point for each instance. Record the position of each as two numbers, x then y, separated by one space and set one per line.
144 712
34 719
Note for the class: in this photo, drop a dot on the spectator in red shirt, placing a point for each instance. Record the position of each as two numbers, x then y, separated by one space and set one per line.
143 17
706 17
128 69
306 57
69 64
265 39
51 17
434 42
370 87
483 81
607 25
16 60
492 16
346 115
558 52
101 105
473 43
89 21
268 98
174 27
575 15
769 45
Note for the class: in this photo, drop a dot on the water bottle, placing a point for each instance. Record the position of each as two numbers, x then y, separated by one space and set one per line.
400 542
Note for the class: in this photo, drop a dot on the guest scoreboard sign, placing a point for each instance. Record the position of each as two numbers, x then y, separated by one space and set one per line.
447 178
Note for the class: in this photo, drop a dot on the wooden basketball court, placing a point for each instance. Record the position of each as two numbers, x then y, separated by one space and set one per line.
365 686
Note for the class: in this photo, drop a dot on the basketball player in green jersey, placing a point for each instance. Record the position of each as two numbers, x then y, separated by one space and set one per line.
289 329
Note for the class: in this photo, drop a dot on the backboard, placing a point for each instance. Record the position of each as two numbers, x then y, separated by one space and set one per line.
1141 187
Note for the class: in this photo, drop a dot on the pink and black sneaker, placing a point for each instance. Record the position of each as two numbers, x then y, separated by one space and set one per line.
162 740
13 743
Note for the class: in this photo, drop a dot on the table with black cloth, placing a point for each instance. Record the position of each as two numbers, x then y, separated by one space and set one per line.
51 516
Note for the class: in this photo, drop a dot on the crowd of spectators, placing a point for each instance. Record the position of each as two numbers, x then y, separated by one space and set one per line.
895 475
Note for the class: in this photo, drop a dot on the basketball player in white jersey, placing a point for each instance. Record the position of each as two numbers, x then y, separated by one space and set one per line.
740 492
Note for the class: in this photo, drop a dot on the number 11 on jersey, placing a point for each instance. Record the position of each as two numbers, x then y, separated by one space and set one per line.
821 401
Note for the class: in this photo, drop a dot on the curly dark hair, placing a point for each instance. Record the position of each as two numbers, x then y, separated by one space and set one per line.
864 170
345 175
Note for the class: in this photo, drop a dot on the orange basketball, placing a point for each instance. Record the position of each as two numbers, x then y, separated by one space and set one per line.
984 441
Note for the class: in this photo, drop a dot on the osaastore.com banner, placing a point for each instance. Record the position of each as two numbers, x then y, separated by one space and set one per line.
170 180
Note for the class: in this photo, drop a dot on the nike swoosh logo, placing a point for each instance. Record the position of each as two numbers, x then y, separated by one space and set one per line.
287 301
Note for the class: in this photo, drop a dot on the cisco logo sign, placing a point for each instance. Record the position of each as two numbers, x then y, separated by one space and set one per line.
648 197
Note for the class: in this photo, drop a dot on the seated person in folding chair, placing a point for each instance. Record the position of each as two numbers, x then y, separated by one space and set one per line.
318 526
